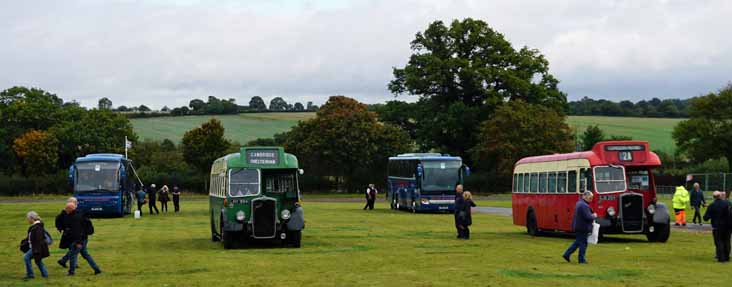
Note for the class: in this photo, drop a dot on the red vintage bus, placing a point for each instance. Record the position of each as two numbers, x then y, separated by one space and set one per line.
619 173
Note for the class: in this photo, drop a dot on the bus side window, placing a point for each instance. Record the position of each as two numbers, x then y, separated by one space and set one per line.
515 183
562 182
534 182
552 182
572 181
526 182
542 182
520 187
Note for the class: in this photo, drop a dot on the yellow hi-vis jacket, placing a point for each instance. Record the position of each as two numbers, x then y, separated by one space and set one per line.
681 198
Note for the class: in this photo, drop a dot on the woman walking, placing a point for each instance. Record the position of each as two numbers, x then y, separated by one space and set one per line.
466 217
164 198
176 198
37 247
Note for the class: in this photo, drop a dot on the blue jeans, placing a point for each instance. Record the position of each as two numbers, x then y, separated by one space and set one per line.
85 254
580 242
29 268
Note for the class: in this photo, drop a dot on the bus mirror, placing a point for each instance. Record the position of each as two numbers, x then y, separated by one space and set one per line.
301 171
420 170
467 171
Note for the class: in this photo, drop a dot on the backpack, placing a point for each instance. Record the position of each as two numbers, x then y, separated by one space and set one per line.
47 237
88 226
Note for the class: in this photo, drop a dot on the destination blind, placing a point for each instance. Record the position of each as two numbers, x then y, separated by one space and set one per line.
269 157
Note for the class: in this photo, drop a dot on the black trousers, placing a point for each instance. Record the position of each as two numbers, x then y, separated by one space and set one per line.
697 215
464 232
722 243
164 206
151 206
176 203
369 204
139 207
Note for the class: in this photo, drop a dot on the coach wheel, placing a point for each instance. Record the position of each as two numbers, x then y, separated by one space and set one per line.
393 203
414 206
660 234
531 227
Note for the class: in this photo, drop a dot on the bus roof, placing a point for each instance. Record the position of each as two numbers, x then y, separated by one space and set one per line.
606 152
424 156
261 157
101 157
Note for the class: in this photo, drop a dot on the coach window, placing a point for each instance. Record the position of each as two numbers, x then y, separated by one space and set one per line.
520 186
527 178
552 182
542 182
572 181
562 182
534 182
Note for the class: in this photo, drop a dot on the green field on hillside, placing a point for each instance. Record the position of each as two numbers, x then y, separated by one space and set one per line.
346 246
656 131
246 127
242 127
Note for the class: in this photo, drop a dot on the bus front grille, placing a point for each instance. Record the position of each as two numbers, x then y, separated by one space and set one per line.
631 208
264 218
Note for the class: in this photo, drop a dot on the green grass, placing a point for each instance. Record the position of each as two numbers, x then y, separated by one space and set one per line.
656 131
346 246
241 128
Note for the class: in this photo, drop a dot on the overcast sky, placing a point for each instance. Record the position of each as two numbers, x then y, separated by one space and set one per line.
168 52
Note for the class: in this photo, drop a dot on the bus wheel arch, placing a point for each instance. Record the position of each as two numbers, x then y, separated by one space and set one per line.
214 236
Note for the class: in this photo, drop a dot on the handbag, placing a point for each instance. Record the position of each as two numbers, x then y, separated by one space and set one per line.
24 245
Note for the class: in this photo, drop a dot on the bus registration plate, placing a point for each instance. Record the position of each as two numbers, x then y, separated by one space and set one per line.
442 208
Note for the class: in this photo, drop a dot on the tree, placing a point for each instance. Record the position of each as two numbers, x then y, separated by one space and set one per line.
105 104
181 111
591 136
203 145
37 152
519 130
165 109
277 104
122 108
257 104
707 133
197 106
462 73
401 114
299 107
143 108
344 139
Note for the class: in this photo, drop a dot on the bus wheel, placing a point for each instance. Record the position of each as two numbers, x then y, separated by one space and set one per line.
226 237
660 234
214 237
394 203
296 238
531 227
414 206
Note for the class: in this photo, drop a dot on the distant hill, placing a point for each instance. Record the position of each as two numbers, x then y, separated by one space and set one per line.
250 126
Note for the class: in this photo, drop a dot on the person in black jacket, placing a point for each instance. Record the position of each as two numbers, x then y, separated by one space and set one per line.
459 206
582 226
718 212
37 246
60 227
151 194
176 198
697 201
78 227
465 216
370 197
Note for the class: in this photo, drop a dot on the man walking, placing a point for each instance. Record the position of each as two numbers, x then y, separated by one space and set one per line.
719 213
459 206
140 200
370 197
151 196
680 201
697 201
79 228
176 198
60 220
582 226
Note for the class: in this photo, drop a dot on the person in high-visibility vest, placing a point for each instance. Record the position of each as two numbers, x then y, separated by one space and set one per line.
680 202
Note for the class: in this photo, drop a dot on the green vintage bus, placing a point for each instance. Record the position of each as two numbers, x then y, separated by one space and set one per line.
254 195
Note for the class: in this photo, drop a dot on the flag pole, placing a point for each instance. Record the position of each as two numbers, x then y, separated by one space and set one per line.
125 146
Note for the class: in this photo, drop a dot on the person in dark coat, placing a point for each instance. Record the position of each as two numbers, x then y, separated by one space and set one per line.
697 201
77 226
140 200
459 206
176 198
60 227
370 197
718 213
582 227
296 224
465 216
37 246
164 197
151 197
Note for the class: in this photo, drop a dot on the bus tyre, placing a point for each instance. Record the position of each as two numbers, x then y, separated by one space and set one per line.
227 240
660 234
394 203
414 206
214 237
531 225
296 238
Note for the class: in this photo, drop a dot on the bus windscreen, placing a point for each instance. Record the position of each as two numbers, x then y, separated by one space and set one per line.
609 179
97 177
440 175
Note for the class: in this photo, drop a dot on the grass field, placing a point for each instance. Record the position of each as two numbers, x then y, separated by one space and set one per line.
246 127
346 246
242 127
656 131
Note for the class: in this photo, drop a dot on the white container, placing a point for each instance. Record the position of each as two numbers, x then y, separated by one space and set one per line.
137 214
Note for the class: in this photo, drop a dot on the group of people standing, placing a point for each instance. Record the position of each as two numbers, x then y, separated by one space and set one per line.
163 195
75 229
681 200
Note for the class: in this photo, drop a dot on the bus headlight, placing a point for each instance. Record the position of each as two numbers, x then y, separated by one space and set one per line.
611 211
652 209
425 201
240 215
285 214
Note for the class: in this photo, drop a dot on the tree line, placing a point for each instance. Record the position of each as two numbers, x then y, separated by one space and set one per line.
655 108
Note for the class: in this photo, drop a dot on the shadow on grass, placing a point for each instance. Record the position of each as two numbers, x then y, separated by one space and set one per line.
606 239
612 274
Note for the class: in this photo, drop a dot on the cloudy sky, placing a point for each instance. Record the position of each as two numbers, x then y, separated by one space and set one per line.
167 52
